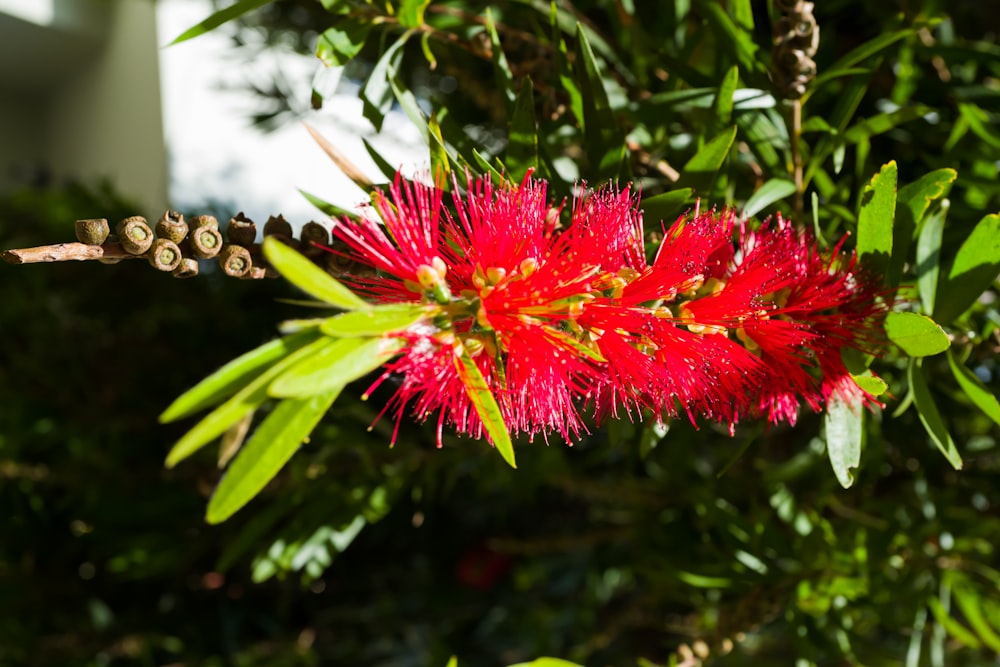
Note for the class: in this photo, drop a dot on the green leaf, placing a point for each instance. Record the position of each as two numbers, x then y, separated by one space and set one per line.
485 404
452 662
867 128
929 256
376 94
522 144
700 170
237 373
308 277
666 206
411 13
335 364
912 202
375 321
731 36
929 415
384 166
975 267
954 628
501 69
917 335
234 11
870 383
326 207
878 211
598 122
722 105
274 442
771 191
843 437
338 45
870 48
547 662
977 392
970 604
247 399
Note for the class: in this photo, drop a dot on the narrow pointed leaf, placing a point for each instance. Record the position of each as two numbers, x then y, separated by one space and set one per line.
977 392
930 417
929 256
700 170
954 627
970 604
522 144
233 11
486 405
308 277
875 219
665 206
773 190
843 438
269 448
976 266
722 105
375 321
917 335
233 376
247 399
913 200
334 365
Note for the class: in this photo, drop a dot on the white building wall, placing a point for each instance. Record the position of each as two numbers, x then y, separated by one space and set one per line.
80 95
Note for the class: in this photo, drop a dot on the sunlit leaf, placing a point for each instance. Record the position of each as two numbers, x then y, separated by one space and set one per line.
247 399
929 256
233 11
269 448
376 94
875 219
917 335
374 321
844 432
334 364
339 44
700 170
233 376
547 662
773 190
411 13
485 404
913 200
930 417
308 277
953 626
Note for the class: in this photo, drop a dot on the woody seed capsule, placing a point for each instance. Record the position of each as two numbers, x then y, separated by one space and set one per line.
204 221
235 261
241 230
277 226
206 242
164 255
171 226
135 234
188 268
92 232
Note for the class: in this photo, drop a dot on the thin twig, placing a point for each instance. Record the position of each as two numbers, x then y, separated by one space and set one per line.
64 252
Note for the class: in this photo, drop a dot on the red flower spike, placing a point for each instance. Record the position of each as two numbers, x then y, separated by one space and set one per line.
557 317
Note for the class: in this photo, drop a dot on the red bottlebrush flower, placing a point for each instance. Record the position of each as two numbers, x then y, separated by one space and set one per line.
557 318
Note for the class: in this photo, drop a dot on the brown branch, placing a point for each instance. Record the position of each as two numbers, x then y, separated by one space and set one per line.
64 252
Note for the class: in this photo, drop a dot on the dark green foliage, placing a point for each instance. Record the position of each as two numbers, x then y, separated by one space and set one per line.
640 540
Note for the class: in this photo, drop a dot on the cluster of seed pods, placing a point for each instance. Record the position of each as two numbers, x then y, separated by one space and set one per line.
176 245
